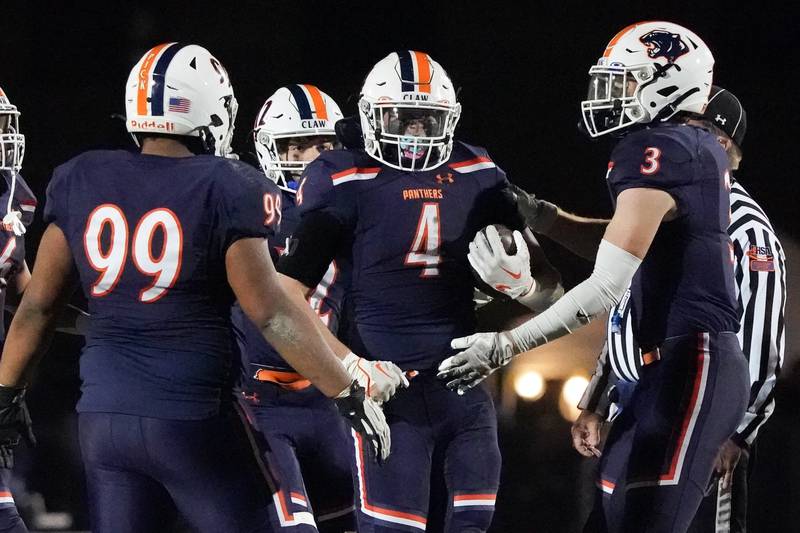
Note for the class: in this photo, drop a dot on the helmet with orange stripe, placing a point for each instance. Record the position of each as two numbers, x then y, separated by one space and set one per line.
181 89
294 125
650 71
12 141
408 111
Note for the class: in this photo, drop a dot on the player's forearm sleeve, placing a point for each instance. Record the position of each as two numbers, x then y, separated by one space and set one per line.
312 247
613 270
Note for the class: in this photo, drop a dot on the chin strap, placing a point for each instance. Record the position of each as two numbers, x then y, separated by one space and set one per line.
13 219
669 111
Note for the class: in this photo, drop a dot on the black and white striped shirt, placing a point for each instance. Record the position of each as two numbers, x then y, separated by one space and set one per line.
761 291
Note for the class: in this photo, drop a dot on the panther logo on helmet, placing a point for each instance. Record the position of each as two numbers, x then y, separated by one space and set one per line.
661 43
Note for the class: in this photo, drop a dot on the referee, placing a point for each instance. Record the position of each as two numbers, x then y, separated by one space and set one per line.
761 291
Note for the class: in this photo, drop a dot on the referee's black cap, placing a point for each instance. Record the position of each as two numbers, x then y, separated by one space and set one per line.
725 111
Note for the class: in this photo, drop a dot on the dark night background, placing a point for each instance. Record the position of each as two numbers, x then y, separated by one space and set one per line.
522 68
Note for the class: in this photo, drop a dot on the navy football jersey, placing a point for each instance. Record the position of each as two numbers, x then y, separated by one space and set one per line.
12 247
149 236
685 283
326 300
411 286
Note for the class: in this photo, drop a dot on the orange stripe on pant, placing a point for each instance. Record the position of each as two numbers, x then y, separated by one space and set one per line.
144 76
319 102
381 513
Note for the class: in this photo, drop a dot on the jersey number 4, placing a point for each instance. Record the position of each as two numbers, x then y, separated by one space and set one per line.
425 249
164 268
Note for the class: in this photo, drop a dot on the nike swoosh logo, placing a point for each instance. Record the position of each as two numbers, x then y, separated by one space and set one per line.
515 275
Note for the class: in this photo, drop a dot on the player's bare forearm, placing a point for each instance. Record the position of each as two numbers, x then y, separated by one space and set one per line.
283 322
638 215
43 301
580 235
298 292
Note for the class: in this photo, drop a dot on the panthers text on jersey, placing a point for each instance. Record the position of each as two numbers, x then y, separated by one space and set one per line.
149 236
411 287
685 283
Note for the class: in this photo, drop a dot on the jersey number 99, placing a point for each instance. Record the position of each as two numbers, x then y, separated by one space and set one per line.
110 263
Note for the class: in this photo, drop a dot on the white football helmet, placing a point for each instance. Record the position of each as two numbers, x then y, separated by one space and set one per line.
649 71
292 112
408 112
180 89
12 141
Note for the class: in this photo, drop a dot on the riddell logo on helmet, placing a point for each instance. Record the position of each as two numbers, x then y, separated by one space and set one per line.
153 125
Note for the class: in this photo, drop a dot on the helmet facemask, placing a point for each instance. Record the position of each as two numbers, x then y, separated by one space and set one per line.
216 138
270 148
413 136
613 102
12 142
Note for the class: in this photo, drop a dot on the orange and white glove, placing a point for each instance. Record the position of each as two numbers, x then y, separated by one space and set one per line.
380 379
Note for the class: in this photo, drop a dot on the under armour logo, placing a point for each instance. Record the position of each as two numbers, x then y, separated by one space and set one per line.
722 120
447 178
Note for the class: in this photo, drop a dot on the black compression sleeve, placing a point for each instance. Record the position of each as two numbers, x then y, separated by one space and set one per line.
312 247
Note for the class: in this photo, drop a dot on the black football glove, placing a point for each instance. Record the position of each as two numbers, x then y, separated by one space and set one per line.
15 420
367 419
539 214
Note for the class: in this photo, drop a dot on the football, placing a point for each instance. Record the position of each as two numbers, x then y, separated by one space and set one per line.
506 237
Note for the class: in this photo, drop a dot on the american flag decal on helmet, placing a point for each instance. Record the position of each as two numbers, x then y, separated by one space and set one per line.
179 105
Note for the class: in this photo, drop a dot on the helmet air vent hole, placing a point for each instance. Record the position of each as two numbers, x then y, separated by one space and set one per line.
666 91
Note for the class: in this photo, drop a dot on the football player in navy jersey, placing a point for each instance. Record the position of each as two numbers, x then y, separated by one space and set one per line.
403 209
669 181
308 439
19 204
161 242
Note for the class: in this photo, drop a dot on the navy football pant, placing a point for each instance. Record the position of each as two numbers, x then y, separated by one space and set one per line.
139 470
312 451
660 453
10 521
427 421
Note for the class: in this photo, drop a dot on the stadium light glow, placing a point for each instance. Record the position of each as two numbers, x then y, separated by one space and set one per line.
529 385
571 394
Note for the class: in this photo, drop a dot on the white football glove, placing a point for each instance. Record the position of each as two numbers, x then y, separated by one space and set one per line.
508 274
366 417
482 354
379 378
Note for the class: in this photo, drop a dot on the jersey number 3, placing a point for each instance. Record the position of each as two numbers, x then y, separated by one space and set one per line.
164 268
652 163
427 240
